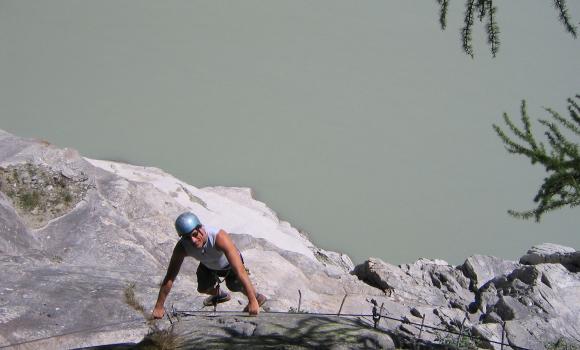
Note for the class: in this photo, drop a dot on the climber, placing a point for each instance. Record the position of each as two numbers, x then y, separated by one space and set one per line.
218 257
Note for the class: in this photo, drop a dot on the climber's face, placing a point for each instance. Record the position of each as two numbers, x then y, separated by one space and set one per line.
198 236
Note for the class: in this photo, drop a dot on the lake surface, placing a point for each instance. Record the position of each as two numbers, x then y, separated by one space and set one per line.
372 135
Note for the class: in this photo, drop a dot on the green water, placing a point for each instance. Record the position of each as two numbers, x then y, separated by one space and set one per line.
361 124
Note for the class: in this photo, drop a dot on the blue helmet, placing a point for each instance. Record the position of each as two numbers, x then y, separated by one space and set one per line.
186 222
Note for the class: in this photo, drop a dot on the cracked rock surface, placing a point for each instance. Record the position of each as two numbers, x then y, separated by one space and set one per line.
539 304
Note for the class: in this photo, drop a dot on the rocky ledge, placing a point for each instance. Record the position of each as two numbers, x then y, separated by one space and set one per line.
534 304
76 235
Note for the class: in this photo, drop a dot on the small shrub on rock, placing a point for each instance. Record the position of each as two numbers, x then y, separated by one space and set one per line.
562 344
465 342
29 200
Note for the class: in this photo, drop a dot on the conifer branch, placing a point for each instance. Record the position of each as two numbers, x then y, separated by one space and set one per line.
562 187
566 123
467 29
481 7
443 13
574 109
485 9
492 29
564 17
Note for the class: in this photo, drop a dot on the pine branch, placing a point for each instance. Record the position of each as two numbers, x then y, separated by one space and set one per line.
537 212
562 186
561 146
485 9
511 146
557 140
527 136
574 109
564 17
481 7
492 29
467 29
443 13
566 123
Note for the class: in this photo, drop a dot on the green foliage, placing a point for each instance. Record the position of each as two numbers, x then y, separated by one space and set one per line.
30 200
485 10
443 13
562 344
293 310
57 259
40 193
564 17
561 159
66 196
465 341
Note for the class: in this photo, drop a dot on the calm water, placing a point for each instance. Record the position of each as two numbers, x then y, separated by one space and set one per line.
373 137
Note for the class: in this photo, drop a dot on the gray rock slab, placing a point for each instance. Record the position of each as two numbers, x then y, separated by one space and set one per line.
554 254
16 238
509 308
491 333
480 269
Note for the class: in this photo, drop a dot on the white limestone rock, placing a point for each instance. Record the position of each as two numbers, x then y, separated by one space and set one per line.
481 269
553 254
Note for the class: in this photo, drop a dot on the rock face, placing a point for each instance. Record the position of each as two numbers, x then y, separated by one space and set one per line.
77 234
553 254
539 304
481 269
67 270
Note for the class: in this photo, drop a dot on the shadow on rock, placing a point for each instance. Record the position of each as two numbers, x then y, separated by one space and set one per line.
268 332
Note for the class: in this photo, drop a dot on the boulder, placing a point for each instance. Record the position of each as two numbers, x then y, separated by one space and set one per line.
553 254
538 303
509 308
424 282
489 335
482 268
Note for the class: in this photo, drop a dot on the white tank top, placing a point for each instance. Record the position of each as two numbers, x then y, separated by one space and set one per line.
208 255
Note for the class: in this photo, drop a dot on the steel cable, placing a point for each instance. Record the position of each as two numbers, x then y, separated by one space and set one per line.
186 313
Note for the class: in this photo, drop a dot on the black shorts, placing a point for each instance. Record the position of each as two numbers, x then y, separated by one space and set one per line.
208 279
